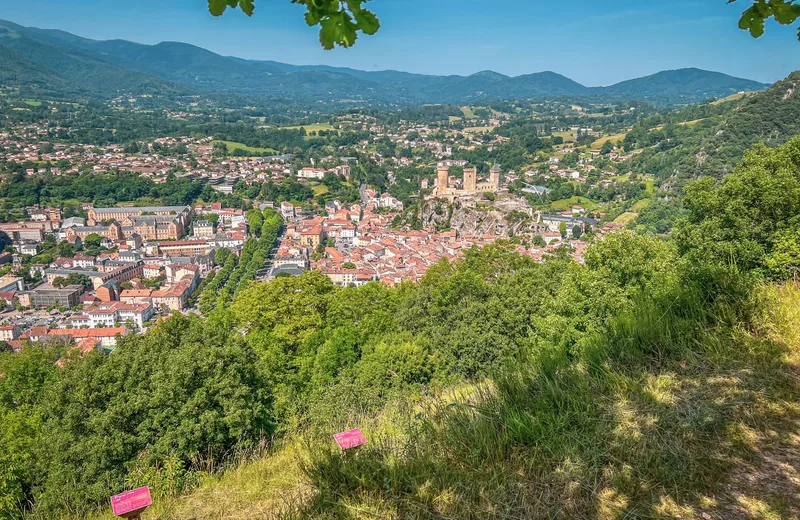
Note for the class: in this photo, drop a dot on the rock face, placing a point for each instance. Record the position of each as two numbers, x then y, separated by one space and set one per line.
467 218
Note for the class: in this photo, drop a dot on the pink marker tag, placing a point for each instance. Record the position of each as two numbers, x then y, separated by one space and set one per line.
131 503
350 439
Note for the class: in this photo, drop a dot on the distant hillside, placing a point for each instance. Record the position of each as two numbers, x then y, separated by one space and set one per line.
83 71
686 85
710 139
30 79
109 67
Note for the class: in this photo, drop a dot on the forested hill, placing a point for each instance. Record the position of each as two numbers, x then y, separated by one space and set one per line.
710 139
32 78
109 68
87 72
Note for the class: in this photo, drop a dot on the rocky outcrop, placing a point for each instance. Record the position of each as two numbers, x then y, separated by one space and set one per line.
477 219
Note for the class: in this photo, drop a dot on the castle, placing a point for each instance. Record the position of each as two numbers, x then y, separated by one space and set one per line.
471 185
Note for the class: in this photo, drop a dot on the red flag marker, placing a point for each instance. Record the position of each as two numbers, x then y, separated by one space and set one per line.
350 439
130 504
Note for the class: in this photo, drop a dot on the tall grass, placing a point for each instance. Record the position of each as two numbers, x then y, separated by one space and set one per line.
659 417
643 421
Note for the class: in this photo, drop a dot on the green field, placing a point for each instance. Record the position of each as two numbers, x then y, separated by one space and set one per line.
567 136
319 189
33 103
468 112
310 128
575 200
478 129
249 149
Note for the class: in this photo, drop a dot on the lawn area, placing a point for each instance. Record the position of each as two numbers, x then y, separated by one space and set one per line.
478 129
310 128
691 123
614 138
319 189
567 136
33 103
468 112
626 218
239 146
575 200
454 118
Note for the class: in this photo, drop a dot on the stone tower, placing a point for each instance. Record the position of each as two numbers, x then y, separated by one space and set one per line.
470 180
494 177
442 176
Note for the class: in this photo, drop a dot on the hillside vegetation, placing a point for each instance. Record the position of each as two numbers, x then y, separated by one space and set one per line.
719 134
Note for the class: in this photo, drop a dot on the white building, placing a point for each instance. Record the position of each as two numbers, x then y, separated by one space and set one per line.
287 210
109 314
311 173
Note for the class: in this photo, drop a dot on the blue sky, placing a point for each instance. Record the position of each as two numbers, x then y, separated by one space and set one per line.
595 42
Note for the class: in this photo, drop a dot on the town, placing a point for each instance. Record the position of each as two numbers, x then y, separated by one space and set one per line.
86 274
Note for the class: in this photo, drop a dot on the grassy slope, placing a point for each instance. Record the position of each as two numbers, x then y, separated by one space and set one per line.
575 200
310 128
709 430
614 138
239 146
734 97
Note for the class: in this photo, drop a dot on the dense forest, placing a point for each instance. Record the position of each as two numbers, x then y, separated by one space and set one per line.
300 354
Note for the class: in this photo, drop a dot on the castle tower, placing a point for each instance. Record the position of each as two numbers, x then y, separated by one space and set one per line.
442 175
470 179
494 177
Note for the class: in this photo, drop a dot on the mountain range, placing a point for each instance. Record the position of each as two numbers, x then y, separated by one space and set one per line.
54 62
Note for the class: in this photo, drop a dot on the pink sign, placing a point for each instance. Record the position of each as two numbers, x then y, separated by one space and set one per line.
350 439
131 503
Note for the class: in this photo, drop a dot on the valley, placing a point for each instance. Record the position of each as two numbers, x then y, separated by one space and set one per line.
242 288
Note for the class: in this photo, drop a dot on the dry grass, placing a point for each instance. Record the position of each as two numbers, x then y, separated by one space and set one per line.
733 97
478 129
614 138
310 128
319 189
641 204
626 218
568 137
